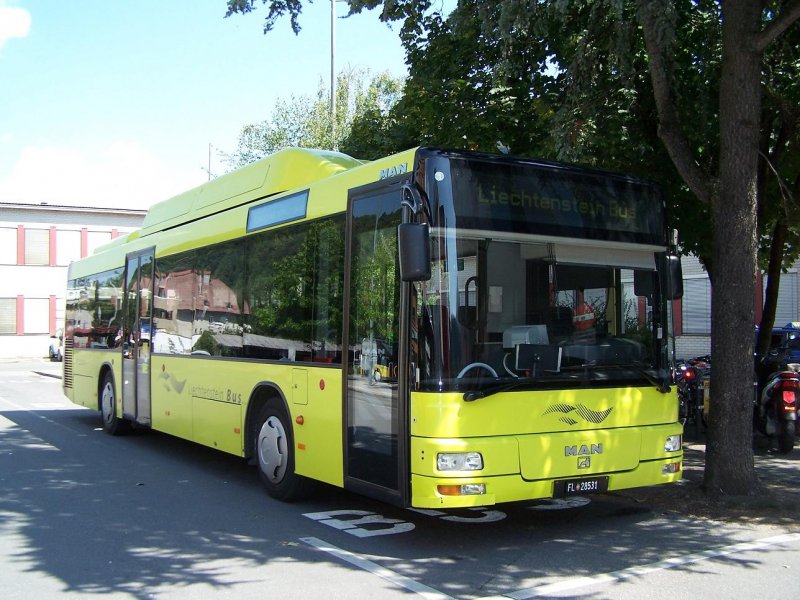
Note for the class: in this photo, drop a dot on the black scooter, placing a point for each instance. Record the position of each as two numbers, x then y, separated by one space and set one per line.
778 403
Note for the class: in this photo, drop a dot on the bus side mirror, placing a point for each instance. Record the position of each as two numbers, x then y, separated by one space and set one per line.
414 249
674 277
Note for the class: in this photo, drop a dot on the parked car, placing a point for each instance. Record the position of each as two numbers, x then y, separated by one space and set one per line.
787 338
56 351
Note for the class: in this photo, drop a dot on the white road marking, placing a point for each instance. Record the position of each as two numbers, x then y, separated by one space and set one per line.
558 586
670 563
371 567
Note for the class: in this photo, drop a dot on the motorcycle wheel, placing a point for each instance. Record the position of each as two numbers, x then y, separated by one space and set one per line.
786 435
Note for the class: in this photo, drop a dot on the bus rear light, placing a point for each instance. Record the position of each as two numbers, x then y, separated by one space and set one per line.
467 489
671 468
459 461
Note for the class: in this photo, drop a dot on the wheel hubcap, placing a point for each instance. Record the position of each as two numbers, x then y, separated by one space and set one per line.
272 449
107 402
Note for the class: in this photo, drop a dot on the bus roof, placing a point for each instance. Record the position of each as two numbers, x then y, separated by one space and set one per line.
284 170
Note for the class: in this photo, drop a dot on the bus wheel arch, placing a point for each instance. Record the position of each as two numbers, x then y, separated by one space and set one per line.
270 445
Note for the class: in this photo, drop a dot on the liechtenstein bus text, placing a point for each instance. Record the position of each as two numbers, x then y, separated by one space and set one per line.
434 329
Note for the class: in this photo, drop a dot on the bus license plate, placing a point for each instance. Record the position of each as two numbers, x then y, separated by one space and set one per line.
573 487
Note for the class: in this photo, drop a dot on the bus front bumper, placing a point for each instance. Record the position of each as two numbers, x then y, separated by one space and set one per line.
464 492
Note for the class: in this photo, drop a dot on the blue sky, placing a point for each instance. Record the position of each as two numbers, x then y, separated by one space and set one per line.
114 103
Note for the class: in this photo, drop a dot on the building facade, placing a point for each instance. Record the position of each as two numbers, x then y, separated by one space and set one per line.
37 243
692 314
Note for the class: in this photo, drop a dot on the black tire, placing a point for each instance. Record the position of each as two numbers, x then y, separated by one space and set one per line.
274 451
683 408
786 436
112 424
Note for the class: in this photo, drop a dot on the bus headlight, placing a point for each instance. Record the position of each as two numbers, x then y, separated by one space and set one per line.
459 461
672 443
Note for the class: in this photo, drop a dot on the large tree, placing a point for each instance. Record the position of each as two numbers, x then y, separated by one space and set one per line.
731 192
704 66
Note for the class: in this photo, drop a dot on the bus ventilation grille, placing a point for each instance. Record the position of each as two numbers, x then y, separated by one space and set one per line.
68 363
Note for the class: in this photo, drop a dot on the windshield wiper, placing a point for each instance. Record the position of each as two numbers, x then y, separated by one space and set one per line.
473 395
662 386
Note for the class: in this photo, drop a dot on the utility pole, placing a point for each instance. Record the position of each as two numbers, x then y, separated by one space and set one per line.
333 75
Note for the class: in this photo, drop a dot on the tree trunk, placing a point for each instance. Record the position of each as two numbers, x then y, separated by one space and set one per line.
729 459
773 285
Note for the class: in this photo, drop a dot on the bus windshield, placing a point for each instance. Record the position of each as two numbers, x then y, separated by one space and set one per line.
543 276
515 312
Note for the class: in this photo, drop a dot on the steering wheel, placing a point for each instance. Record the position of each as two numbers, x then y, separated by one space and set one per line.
476 365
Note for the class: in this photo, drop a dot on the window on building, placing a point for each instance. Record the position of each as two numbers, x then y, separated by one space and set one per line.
696 306
8 315
68 246
787 310
8 245
95 239
36 315
37 246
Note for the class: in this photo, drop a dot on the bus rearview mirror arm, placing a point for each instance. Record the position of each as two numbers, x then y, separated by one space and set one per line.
413 238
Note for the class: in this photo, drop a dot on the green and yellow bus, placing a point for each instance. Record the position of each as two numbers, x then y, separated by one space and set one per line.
435 329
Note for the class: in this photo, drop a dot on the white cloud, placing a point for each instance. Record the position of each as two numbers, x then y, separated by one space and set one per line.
123 175
14 23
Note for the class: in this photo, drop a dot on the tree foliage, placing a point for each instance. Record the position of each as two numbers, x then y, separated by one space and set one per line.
462 94
305 121
373 131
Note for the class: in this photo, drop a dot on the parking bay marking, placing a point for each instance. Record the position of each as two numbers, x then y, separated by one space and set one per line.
374 568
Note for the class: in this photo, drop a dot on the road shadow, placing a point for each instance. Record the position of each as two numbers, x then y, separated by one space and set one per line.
147 513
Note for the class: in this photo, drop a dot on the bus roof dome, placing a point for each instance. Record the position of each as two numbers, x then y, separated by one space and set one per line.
279 172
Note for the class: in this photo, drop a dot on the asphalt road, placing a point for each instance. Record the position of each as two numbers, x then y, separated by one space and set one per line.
151 516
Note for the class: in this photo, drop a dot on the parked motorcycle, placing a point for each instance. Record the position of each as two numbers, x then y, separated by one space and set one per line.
692 378
776 412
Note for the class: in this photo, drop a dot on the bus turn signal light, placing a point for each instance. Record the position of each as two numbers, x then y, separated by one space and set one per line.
467 489
671 468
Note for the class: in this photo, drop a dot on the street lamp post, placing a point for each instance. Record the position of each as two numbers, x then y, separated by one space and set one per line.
333 75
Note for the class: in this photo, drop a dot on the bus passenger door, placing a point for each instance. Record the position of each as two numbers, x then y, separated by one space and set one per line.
375 422
138 337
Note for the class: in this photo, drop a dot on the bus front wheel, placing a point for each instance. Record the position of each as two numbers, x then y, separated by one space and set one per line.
275 452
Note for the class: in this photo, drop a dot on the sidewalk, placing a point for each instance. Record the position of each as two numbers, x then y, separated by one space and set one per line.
43 366
777 504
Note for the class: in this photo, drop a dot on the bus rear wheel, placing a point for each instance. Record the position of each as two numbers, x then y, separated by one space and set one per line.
275 453
112 424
